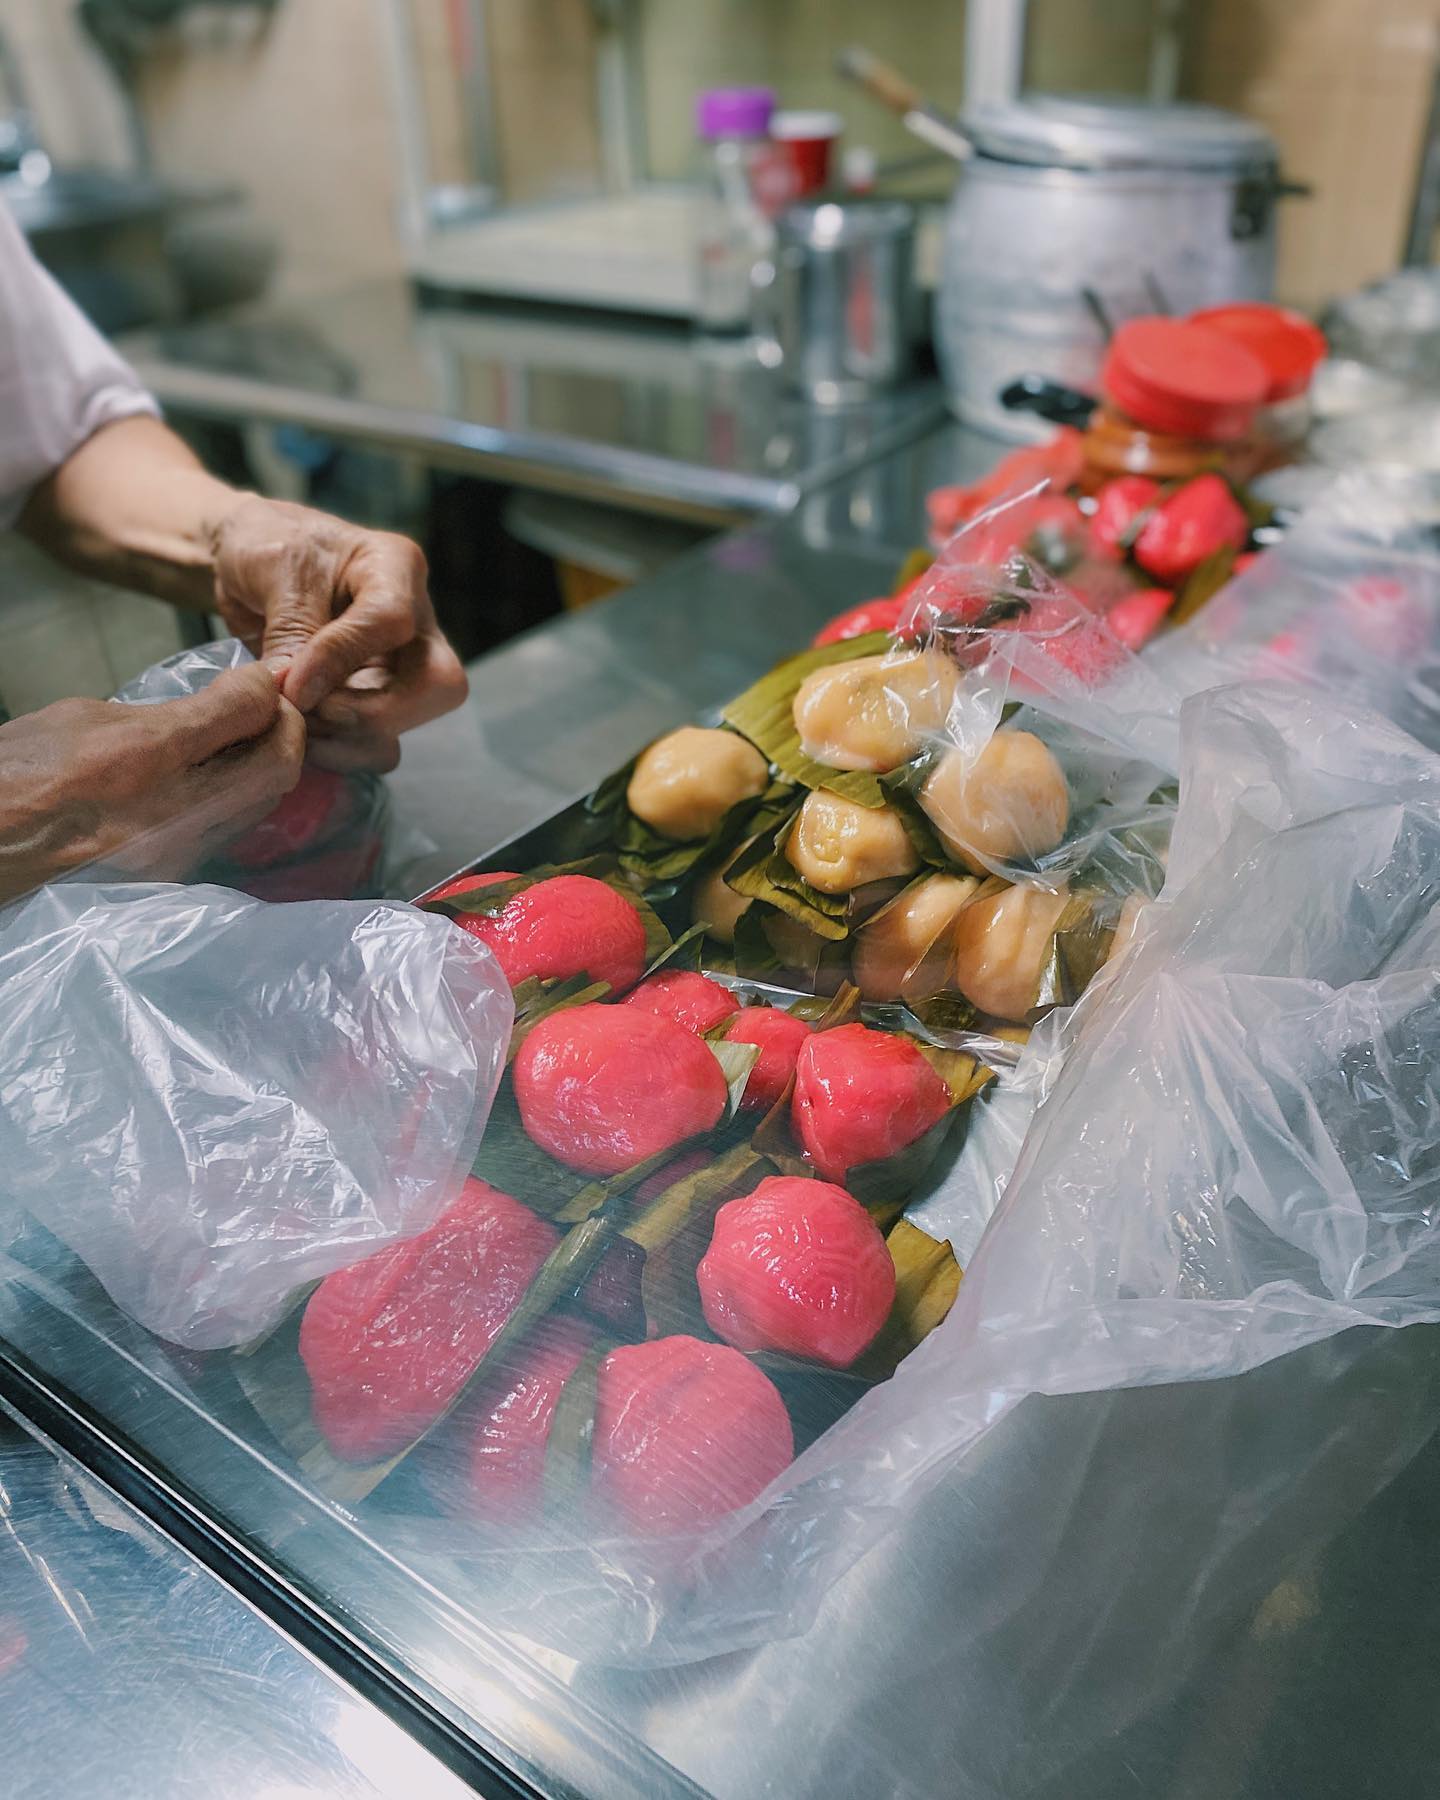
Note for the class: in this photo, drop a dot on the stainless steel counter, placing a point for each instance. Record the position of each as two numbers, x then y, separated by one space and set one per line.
646 416
983 1651
127 1671
1317 1683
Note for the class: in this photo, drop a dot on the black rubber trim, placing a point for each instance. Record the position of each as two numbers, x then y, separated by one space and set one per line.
175 1511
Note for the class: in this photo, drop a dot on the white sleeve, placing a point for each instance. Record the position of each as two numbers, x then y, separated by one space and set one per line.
59 380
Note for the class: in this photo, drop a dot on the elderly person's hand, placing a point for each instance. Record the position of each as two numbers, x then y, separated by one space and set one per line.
344 616
143 789
341 613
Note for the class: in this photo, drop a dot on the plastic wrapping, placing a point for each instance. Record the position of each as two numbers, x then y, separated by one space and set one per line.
1348 601
1033 779
997 732
1393 325
214 1102
1234 1157
326 840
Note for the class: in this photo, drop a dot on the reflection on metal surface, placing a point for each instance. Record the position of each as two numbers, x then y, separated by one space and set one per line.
984 1649
113 1639
651 417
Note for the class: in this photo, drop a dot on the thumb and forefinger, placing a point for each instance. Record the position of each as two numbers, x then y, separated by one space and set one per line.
380 619
237 707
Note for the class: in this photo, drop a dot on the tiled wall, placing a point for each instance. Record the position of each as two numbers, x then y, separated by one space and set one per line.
80 113
1095 46
302 116
1344 85
790 45
546 119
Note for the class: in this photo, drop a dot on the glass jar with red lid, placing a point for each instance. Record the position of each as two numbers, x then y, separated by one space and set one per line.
1290 348
1176 398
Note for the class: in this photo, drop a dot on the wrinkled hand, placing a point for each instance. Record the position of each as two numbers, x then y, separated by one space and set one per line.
149 788
346 615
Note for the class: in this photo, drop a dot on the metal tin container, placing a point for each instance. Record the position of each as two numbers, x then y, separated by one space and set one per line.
839 307
1078 209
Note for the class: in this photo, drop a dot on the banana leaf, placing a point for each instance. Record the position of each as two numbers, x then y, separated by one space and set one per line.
736 1061
674 1232
753 956
658 863
572 1431
274 1382
809 961
561 1275
536 1000
1203 582
815 1396
765 713
683 953
927 1279
762 871
1131 859
884 1187
914 566
902 790
485 899
610 1293
963 1074
1080 943
508 1159
949 1011
825 1011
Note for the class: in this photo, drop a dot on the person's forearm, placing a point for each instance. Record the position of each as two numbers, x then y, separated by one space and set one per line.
134 506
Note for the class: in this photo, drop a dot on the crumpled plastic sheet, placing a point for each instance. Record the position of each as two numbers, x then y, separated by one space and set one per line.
347 845
213 1101
1348 602
1040 659
1237 1155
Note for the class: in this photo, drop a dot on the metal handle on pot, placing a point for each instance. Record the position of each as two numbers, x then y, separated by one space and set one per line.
1255 197
1052 400
890 88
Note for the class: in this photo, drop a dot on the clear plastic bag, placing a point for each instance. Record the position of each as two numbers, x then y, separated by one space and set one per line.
1348 601
1018 708
1236 1156
1039 658
213 1102
328 839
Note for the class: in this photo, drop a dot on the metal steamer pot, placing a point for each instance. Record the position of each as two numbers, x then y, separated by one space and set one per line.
1073 213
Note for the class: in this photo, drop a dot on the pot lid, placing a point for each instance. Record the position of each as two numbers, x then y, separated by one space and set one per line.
1116 131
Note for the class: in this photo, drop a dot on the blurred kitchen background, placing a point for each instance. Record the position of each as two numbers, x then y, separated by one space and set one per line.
428 262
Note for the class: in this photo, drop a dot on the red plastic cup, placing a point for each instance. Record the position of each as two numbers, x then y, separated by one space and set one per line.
1286 342
806 140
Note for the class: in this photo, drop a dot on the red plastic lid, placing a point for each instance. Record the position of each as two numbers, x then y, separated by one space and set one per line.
1286 342
1183 379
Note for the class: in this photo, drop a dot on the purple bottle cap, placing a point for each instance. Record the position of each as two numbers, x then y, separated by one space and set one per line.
734 112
